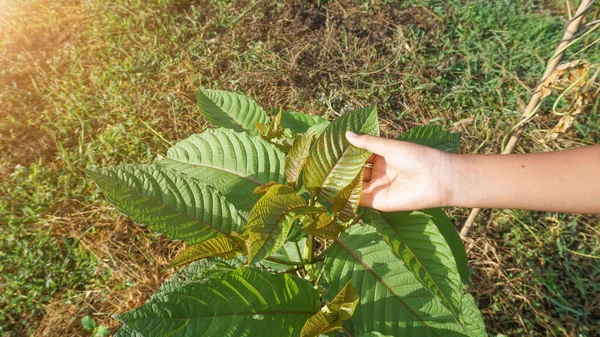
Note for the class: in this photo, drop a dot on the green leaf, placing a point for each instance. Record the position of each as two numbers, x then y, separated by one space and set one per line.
262 189
304 210
324 226
275 134
88 323
299 122
331 316
234 163
320 324
297 156
318 128
373 334
126 331
245 302
333 163
344 303
346 202
219 246
101 331
231 110
471 316
199 272
455 243
270 220
289 253
392 300
171 203
295 233
274 130
432 136
414 237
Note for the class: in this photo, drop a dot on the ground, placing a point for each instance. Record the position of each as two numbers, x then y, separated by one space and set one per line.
97 83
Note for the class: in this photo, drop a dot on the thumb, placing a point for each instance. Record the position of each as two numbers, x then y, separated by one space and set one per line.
377 145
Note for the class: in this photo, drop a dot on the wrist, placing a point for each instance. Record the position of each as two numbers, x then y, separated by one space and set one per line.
446 180
452 179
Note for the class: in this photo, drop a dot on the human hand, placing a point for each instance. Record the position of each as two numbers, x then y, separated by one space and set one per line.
405 176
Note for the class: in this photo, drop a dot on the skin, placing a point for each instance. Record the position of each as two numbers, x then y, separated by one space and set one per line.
408 176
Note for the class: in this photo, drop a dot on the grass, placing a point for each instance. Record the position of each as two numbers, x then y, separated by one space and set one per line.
100 82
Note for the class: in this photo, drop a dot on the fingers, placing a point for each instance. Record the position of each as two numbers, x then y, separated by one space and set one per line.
366 199
367 174
369 191
372 158
368 167
377 145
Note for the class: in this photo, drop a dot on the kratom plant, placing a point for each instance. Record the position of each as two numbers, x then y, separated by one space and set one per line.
269 210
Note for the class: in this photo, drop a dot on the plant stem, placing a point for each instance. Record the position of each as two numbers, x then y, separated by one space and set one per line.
298 251
321 272
310 243
357 218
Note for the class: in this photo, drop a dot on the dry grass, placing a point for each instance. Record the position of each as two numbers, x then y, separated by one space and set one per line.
132 256
536 287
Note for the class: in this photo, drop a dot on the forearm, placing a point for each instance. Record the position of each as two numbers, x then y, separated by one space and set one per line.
562 181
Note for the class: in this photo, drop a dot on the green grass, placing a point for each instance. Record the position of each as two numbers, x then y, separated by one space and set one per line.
102 82
551 261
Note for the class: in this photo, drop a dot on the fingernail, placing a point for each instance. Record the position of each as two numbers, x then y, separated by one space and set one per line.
351 134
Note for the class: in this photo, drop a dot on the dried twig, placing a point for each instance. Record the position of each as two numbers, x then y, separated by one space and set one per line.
571 29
